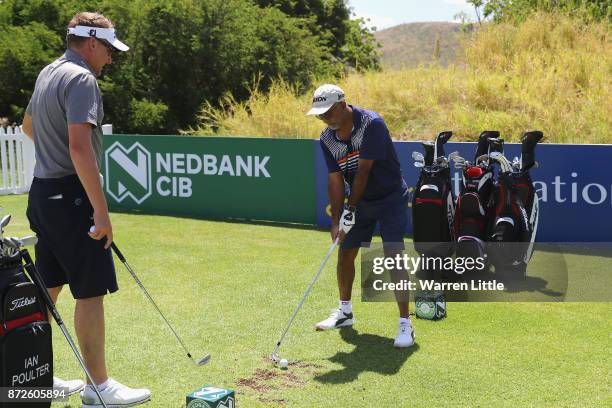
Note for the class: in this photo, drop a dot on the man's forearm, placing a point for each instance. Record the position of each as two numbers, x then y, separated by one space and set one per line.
84 160
336 200
359 185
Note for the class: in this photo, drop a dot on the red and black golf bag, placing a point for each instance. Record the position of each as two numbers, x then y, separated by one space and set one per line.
433 203
514 221
473 203
26 356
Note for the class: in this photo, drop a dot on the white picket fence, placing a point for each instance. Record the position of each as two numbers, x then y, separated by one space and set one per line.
16 161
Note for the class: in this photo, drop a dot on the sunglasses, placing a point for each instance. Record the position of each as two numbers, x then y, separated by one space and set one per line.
109 47
329 112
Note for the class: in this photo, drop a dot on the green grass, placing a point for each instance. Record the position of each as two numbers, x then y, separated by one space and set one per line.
229 289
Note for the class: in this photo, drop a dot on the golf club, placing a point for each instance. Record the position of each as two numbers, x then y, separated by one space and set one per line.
483 159
453 155
200 362
31 270
419 159
274 355
459 161
505 165
4 222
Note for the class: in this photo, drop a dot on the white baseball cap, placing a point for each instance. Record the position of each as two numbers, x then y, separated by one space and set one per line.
324 98
107 34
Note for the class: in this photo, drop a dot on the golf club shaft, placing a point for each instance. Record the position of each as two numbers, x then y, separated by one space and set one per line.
297 309
127 266
31 269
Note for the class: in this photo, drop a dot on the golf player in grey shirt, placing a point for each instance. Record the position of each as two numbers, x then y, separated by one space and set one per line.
64 119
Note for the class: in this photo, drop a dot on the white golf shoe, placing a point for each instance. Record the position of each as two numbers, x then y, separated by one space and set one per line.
336 319
115 395
72 386
405 335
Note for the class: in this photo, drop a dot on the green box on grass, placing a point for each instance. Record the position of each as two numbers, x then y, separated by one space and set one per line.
210 396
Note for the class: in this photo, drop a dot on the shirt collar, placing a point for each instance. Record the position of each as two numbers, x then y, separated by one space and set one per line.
74 57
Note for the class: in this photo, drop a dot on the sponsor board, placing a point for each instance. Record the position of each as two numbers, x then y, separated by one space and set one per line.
257 179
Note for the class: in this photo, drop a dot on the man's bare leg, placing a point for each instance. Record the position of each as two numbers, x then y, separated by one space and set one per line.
89 326
345 272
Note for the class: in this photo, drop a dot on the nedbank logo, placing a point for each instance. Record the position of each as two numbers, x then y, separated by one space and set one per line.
128 172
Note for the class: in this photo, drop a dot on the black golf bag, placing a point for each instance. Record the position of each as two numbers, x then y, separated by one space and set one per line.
433 204
26 357
473 204
514 221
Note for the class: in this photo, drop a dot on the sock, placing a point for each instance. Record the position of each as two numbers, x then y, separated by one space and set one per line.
405 320
346 306
101 387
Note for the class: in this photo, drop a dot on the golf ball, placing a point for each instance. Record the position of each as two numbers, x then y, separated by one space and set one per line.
283 363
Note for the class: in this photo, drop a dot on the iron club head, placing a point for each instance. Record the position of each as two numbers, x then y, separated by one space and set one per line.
29 240
204 360
4 222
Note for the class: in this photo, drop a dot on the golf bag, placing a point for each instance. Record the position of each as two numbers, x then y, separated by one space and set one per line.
26 356
433 204
473 203
514 221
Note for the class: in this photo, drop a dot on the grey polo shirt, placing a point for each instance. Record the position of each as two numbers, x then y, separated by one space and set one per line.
66 92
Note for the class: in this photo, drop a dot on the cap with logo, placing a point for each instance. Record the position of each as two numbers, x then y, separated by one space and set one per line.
106 34
324 98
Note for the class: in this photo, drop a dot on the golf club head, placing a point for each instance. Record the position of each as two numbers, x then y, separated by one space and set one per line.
204 360
444 136
506 166
482 158
429 147
453 156
5 221
274 358
29 240
442 161
496 145
9 242
441 140
495 156
483 141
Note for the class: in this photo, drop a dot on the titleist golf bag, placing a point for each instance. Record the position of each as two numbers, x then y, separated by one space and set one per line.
514 221
473 202
26 357
433 204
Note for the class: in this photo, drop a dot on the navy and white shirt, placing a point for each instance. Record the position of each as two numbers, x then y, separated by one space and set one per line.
370 139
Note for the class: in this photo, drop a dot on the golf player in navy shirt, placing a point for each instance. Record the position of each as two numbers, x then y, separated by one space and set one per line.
360 158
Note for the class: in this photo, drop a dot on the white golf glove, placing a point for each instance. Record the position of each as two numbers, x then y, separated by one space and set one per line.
347 220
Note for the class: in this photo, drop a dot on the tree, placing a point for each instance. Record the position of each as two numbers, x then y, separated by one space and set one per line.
478 4
23 51
185 53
